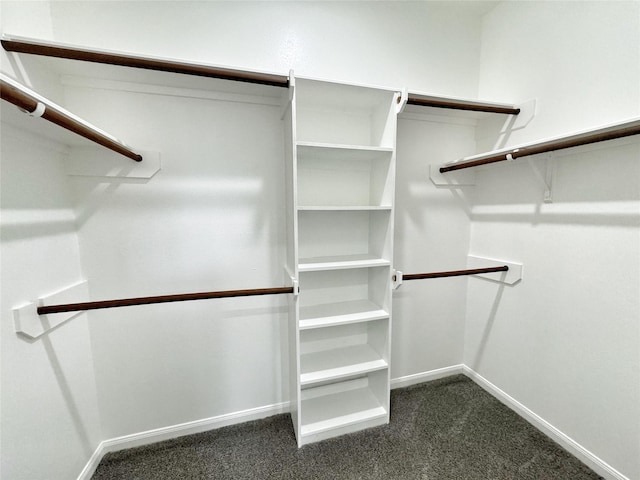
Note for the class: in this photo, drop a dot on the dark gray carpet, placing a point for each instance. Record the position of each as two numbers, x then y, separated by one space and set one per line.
446 429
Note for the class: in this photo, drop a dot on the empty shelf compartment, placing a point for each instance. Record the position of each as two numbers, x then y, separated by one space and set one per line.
332 176
341 409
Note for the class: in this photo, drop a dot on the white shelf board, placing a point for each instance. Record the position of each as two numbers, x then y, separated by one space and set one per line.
343 151
345 208
340 262
339 410
340 313
339 363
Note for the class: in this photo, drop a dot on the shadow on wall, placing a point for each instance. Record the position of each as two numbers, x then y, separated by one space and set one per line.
488 326
65 390
594 185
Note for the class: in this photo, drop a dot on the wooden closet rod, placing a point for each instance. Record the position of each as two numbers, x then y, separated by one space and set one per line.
453 273
550 146
15 93
52 49
128 302
461 105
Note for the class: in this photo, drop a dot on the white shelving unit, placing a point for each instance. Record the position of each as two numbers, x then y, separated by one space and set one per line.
340 174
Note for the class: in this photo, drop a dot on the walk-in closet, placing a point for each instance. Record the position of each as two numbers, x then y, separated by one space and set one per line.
336 239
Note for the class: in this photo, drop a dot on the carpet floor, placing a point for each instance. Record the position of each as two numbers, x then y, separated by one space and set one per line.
441 430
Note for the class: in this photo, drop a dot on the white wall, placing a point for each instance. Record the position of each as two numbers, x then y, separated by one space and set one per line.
565 341
420 45
209 220
50 422
49 410
431 234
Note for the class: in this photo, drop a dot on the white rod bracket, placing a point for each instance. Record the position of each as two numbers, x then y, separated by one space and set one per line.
401 100
396 278
289 95
96 161
545 178
296 287
29 324
510 277
39 111
455 179
292 84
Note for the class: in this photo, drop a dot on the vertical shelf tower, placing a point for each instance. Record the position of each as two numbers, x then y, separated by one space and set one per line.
340 174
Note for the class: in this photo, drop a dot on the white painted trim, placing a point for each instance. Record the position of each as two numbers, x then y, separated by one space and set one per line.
92 465
407 380
585 456
175 431
198 426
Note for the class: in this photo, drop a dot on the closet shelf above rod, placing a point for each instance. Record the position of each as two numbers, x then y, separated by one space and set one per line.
128 302
459 104
37 106
611 132
399 277
60 50
452 273
31 46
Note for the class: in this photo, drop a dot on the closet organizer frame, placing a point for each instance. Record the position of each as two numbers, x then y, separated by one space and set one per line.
340 170
339 348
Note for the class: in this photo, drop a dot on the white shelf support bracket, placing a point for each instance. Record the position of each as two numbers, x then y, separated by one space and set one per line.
29 324
98 162
546 176
510 277
288 97
396 278
455 179
526 115
401 100
292 85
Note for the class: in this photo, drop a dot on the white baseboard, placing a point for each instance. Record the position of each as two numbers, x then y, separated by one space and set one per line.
175 431
585 456
91 466
422 377
198 426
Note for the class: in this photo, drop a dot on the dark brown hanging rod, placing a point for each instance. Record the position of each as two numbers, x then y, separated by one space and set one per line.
22 99
573 141
184 297
461 105
453 273
51 49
